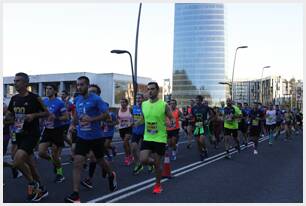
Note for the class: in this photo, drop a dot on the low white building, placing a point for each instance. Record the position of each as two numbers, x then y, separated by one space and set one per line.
113 86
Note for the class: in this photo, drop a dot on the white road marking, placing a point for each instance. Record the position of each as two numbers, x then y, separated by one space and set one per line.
222 155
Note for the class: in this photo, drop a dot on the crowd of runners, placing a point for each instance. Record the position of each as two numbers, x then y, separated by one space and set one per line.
148 129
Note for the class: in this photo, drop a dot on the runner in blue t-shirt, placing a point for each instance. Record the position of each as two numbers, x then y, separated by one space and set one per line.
52 135
107 134
90 111
138 131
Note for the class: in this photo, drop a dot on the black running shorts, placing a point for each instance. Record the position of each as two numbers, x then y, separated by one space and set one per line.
53 136
255 131
84 146
233 132
125 131
173 133
155 147
26 142
137 137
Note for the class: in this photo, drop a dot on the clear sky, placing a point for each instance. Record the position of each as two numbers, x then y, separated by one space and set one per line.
77 37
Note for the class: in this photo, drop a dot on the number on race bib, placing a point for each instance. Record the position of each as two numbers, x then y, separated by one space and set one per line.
152 128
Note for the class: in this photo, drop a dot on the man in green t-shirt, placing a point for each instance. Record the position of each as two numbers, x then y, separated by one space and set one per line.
231 117
155 112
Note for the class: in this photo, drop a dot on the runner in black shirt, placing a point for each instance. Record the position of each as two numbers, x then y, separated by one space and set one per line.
24 110
200 113
255 117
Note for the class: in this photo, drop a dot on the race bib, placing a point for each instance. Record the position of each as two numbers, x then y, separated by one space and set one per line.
199 124
152 128
49 124
85 126
19 121
229 117
255 122
137 118
124 123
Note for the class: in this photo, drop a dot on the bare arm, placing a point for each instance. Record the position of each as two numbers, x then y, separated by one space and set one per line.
169 114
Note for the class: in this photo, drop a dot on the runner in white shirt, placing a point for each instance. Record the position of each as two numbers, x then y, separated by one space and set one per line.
270 122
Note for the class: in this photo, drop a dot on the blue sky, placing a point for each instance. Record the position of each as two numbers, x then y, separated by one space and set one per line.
74 37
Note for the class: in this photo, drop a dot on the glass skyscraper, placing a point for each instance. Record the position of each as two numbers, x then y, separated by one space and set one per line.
199 52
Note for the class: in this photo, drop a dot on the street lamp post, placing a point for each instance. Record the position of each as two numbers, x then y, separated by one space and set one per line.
230 87
240 47
136 51
262 83
116 51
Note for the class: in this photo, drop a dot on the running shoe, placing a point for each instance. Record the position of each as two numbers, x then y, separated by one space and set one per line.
173 156
129 160
73 198
41 193
112 180
157 189
16 173
255 152
151 168
59 178
114 151
32 190
87 183
126 161
137 169
202 156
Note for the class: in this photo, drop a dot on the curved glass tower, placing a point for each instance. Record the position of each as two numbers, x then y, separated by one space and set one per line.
199 52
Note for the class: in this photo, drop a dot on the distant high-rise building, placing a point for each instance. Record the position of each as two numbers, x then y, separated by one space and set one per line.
199 52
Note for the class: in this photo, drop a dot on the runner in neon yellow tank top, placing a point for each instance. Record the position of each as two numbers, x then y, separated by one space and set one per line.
155 112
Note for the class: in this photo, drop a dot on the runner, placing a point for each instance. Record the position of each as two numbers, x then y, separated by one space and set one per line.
138 131
106 134
262 120
299 122
72 132
271 122
69 107
217 126
255 116
246 115
200 113
125 119
184 120
173 133
242 125
52 135
90 111
25 109
190 126
231 116
8 134
278 121
288 124
155 112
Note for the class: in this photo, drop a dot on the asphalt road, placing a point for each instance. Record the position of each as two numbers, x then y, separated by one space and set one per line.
274 175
